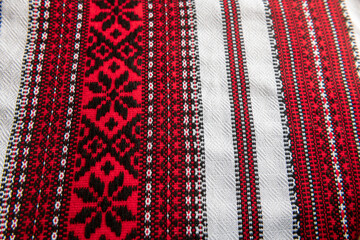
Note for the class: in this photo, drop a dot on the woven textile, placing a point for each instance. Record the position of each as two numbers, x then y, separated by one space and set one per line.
184 119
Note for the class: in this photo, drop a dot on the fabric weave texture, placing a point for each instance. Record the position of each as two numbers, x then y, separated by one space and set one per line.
184 119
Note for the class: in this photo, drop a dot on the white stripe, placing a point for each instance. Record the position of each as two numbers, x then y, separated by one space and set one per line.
273 180
219 151
12 46
353 8
350 10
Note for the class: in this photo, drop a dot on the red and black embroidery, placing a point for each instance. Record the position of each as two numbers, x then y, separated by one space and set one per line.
248 204
116 11
108 133
105 48
49 81
316 187
112 95
106 165
99 204
171 201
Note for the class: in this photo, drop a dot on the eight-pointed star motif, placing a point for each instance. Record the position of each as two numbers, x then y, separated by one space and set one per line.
103 207
107 95
116 10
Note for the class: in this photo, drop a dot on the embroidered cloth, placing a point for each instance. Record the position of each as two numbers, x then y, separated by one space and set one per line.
184 119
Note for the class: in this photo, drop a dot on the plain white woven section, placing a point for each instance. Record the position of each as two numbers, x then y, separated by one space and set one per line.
353 7
12 46
273 181
219 151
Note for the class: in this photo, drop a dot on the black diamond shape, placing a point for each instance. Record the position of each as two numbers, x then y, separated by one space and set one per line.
123 145
105 204
111 124
116 10
113 94
107 168
116 33
95 145
114 67
127 50
103 50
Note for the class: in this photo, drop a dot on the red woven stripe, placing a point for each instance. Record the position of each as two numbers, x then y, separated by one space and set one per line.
343 97
104 187
38 193
328 223
289 83
242 123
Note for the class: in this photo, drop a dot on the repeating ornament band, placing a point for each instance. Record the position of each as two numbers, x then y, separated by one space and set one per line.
186 119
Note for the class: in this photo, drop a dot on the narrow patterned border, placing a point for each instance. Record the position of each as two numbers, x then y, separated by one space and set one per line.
20 113
200 185
33 111
328 120
240 103
252 129
69 118
233 120
149 97
185 46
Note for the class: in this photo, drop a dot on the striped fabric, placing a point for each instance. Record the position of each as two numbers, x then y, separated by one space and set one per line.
186 119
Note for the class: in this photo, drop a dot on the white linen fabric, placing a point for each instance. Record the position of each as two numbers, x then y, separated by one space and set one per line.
13 33
219 151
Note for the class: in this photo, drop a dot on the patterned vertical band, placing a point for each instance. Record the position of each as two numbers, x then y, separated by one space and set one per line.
186 119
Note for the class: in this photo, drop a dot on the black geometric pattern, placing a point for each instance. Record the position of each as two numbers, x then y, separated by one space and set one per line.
103 49
101 204
120 11
107 94
95 144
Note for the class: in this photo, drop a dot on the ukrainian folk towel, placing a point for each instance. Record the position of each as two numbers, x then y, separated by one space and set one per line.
184 119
